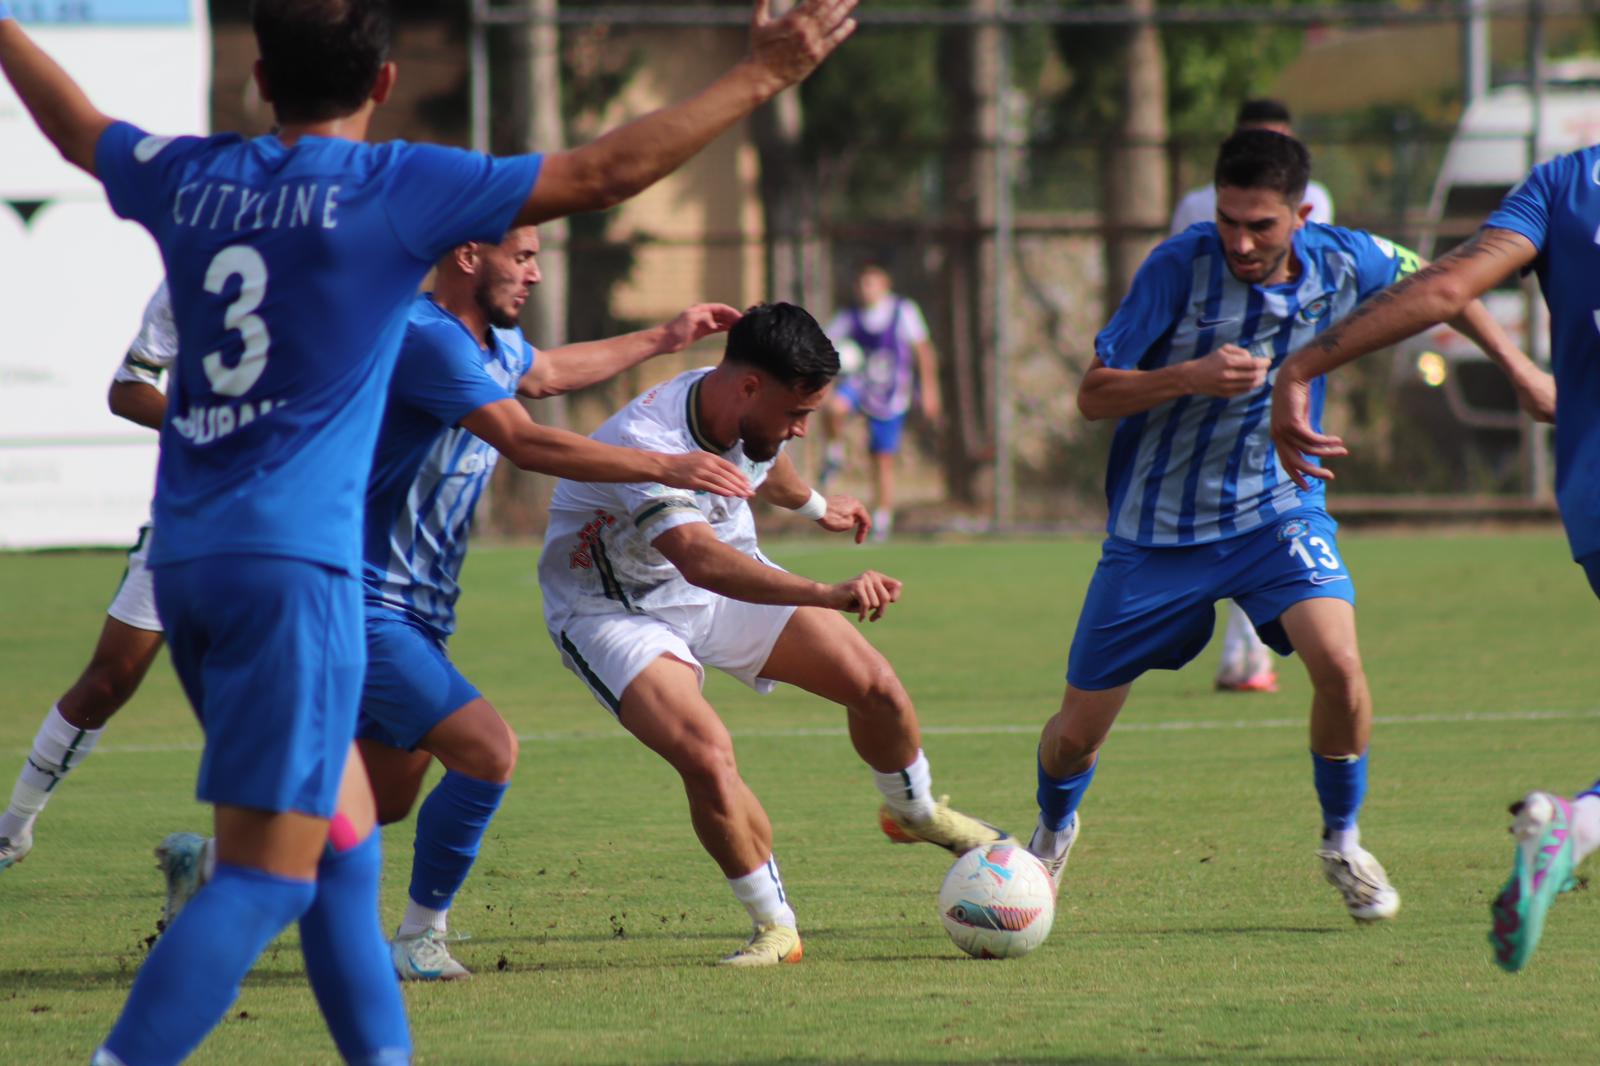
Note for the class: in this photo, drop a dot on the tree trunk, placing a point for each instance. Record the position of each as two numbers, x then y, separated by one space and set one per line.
1134 172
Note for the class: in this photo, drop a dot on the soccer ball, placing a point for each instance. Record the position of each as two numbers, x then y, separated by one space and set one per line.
997 902
851 357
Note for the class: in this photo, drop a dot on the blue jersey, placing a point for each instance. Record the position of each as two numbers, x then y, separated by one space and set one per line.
428 472
1198 468
1558 209
291 271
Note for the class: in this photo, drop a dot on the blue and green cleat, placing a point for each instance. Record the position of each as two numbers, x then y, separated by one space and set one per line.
1541 869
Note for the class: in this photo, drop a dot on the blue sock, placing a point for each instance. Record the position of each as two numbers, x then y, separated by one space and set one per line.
1059 797
450 827
347 959
192 975
1592 790
1341 786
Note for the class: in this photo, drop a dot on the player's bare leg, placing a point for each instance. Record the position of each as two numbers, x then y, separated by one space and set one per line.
1069 747
882 494
121 658
479 753
823 653
1323 632
665 709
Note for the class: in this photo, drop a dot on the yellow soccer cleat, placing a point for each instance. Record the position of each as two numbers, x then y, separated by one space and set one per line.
771 945
952 830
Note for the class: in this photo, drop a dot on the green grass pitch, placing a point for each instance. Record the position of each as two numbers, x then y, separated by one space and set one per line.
1195 925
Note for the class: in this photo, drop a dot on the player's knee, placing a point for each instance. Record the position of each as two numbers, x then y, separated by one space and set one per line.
498 757
708 766
879 691
1339 674
394 806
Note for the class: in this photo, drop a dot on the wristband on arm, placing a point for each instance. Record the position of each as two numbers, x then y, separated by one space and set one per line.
814 508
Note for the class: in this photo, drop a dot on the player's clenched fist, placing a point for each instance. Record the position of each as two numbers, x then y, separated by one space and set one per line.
1228 371
789 48
868 595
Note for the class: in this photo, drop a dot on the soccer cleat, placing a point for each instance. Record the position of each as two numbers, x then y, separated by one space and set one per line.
1542 867
771 945
181 860
1265 681
952 830
1360 879
425 958
14 851
1057 865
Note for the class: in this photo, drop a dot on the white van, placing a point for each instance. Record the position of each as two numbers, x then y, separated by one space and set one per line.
1488 155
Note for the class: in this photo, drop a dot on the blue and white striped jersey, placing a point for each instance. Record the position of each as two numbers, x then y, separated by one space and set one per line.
1198 468
428 472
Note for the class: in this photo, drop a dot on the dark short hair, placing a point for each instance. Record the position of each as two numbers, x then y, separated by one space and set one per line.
1263 159
321 57
1260 112
784 341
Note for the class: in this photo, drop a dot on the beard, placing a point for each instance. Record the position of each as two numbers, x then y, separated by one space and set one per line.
756 449
499 317
1265 268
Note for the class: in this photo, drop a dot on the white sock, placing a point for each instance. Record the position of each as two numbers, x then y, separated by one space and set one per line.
1238 644
419 919
1050 843
57 748
761 892
836 453
1585 826
1343 841
908 792
882 522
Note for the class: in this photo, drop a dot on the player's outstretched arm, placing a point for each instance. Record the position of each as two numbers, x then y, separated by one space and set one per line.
577 366
627 160
1107 392
139 403
1535 388
784 487
708 563
60 109
505 425
1437 293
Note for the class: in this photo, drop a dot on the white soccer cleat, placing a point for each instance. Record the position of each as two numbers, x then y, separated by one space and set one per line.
771 945
1056 865
181 859
13 851
424 957
1368 895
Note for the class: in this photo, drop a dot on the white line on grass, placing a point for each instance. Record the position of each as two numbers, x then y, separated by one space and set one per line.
1181 725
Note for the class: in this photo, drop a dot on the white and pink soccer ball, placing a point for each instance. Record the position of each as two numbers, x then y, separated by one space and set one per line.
997 902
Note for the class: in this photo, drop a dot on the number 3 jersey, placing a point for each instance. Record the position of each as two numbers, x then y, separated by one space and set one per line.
1200 468
598 556
291 270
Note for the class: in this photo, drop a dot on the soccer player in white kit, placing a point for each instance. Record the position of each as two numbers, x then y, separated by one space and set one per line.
644 586
131 636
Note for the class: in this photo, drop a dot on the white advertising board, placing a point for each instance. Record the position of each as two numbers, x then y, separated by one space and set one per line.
74 278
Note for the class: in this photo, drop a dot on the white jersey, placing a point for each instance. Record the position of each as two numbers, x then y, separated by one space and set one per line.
597 551
1200 205
155 347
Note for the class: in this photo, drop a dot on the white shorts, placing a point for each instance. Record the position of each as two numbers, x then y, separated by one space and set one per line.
135 601
607 651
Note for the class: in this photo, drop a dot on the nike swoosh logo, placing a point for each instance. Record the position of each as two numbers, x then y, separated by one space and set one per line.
1319 579
1212 323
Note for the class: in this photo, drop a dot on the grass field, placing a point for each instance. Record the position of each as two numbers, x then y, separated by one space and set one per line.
1195 925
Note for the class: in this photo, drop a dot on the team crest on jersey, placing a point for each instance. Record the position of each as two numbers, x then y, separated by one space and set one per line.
1294 529
471 464
1316 310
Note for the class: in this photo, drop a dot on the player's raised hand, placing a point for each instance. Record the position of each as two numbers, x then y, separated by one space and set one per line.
704 472
868 594
844 514
701 320
789 48
1292 434
1227 372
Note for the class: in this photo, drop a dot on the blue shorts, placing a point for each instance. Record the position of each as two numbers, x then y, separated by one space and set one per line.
883 434
1155 608
411 686
1591 567
270 654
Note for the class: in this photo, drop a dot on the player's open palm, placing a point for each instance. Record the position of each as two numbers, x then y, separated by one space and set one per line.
1292 433
698 322
846 513
1229 371
790 47
704 472
868 594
